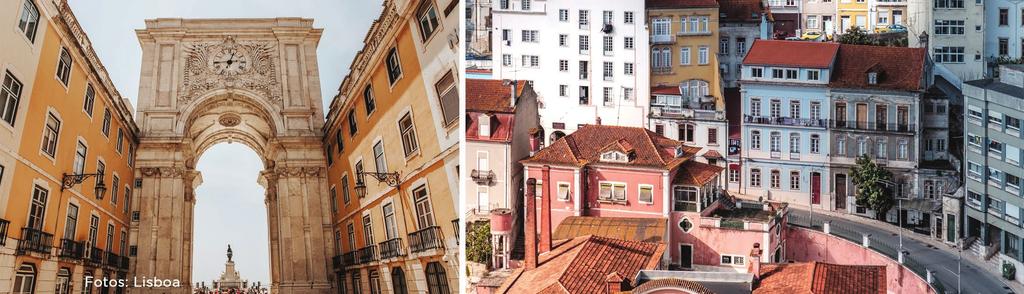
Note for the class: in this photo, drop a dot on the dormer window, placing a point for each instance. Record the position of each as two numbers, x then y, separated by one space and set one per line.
484 125
679 151
614 156
873 78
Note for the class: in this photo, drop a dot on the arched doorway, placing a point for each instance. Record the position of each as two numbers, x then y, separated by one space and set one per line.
208 81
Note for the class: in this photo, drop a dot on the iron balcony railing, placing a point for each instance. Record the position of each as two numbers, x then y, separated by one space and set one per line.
113 260
35 241
124 262
873 126
426 239
367 254
348 258
482 177
3 231
71 249
785 121
391 248
96 256
336 262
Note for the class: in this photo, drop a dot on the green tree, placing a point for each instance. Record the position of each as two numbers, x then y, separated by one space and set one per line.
478 242
872 191
856 36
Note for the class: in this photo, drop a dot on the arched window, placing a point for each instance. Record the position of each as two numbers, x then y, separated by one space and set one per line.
556 135
25 279
398 281
63 284
437 281
693 88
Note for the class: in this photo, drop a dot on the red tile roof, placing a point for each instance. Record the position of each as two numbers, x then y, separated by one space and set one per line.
501 127
586 145
693 173
821 278
669 285
582 265
680 4
898 68
791 53
740 10
490 95
665 90
712 154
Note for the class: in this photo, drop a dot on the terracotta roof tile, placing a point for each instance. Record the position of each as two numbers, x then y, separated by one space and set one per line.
489 95
695 173
679 4
898 68
634 229
791 53
818 277
586 145
740 10
665 90
671 284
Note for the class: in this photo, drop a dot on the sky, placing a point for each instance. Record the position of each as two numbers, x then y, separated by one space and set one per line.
229 207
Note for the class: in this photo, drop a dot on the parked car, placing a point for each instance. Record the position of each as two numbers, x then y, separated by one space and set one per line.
893 28
811 36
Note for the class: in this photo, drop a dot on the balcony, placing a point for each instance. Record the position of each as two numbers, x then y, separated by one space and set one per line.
482 177
785 121
873 126
348 258
95 256
663 39
687 113
336 262
391 248
35 241
71 249
661 70
367 254
426 239
113 260
3 231
124 263
455 226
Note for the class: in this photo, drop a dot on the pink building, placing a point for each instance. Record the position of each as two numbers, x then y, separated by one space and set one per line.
613 171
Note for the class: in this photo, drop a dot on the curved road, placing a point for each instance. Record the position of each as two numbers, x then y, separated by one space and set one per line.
941 261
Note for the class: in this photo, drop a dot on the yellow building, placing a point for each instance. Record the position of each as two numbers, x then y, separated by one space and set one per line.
852 13
67 176
390 174
684 46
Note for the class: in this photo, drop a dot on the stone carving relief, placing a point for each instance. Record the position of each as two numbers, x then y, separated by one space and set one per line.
162 172
212 65
229 119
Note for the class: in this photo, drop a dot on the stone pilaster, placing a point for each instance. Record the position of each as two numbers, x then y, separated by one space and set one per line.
165 226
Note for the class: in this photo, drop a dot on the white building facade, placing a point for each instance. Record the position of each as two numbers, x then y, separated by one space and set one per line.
588 60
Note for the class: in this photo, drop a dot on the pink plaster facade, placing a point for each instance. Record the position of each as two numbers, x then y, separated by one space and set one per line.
817 246
710 241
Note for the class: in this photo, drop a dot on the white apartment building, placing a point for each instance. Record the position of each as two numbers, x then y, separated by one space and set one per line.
588 60
956 36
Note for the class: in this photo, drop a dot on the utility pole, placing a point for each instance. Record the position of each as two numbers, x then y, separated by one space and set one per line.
959 256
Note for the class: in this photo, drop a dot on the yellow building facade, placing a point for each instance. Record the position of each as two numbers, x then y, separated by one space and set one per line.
852 13
390 174
73 132
684 46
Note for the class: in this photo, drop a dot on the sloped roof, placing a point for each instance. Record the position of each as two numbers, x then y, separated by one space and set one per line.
821 278
693 173
582 264
633 229
490 95
740 10
898 68
680 4
791 53
671 284
586 145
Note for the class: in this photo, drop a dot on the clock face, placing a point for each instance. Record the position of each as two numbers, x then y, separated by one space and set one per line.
229 62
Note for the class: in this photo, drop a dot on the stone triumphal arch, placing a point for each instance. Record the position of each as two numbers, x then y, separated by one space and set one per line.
248 81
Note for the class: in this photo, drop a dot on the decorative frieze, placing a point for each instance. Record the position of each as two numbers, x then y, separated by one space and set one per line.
212 65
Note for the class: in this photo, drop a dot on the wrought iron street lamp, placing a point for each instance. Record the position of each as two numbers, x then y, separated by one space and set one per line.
71 180
391 179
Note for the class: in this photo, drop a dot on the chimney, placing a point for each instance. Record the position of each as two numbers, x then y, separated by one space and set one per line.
755 262
531 224
512 100
614 282
545 211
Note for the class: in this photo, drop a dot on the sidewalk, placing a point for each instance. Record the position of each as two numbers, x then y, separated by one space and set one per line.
971 259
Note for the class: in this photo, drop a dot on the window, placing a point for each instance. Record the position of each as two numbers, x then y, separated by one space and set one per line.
351 237
646 194
80 153
627 17
776 73
398 281
437 280
563 191
723 46
628 43
25 279
882 148
741 47
609 45
733 260
776 180
356 283
50 132
530 36
684 56
367 231
794 143
862 147
115 183
627 68
37 208
686 132
10 95
406 127
755 140
344 189
974 170
448 93
393 65
506 59
525 5
949 27
1004 47
506 35
702 55
563 40
607 96
813 75
609 70
64 67
368 100
563 15
812 21
883 17
63 283
427 16
949 54
1004 17
693 24
775 142
794 180
120 141
792 74
755 177
352 123
563 90
815 144
1013 154
29 21
531 61
584 44
127 198
755 107
106 122
612 191
90 99
563 65
734 176
995 147
71 223
756 72
378 157
950 3
685 198
334 200
712 136
424 212
110 238
94 228
794 109
608 16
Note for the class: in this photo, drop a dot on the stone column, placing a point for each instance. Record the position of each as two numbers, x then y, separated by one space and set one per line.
166 203
299 220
